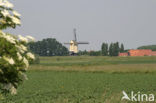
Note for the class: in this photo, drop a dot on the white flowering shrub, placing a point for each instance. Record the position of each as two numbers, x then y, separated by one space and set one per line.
8 17
14 55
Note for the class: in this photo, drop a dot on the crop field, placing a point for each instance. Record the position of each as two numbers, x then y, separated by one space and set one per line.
85 79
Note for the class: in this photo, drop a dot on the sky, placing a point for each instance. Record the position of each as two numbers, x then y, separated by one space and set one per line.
131 22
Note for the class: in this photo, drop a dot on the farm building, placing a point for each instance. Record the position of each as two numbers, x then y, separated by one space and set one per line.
139 52
123 54
154 53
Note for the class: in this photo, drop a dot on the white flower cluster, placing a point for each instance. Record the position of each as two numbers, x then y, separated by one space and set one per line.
16 13
15 20
9 38
20 56
5 3
20 47
30 55
7 12
9 60
26 39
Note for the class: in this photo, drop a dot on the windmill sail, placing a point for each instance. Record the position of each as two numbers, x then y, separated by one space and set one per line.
75 38
82 42
74 44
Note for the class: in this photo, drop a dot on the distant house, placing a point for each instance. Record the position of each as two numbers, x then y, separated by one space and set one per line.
139 52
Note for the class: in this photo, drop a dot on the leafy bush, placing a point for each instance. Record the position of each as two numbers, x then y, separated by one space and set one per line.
14 61
14 55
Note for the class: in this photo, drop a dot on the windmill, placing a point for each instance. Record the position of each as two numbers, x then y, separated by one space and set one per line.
74 44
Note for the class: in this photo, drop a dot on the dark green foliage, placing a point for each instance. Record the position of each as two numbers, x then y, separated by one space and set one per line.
90 53
48 47
95 53
104 49
114 49
111 49
122 48
152 47
85 52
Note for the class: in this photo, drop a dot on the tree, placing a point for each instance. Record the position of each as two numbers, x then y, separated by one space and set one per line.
122 48
48 47
111 49
152 47
104 49
116 49
14 55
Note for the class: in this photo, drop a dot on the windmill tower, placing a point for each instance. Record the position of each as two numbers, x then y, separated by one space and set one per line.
74 44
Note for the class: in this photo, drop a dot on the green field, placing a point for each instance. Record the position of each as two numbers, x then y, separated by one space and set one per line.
86 80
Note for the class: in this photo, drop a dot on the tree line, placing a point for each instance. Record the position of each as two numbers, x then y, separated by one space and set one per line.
112 50
51 47
152 47
48 47
106 50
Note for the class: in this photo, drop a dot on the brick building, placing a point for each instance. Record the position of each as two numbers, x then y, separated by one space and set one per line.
154 53
139 52
123 54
